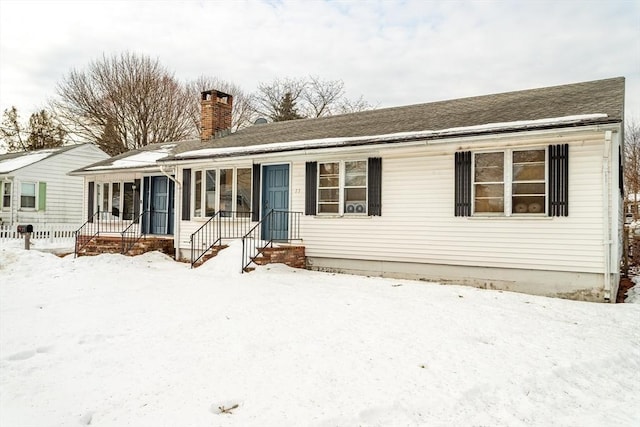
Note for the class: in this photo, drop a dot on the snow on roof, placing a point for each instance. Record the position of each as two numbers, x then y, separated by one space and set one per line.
139 159
399 136
13 163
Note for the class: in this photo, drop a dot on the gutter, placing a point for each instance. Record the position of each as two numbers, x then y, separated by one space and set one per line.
441 137
606 179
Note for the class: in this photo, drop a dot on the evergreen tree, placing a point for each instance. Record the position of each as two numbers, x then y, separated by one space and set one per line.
43 132
286 110
12 133
109 141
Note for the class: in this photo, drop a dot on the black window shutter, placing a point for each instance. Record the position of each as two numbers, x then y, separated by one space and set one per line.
136 198
311 188
255 195
375 186
559 180
463 183
186 194
90 201
620 171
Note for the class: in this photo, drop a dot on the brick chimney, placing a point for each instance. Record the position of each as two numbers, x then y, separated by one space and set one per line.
216 114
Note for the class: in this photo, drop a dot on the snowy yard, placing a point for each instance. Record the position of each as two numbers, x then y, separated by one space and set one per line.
146 341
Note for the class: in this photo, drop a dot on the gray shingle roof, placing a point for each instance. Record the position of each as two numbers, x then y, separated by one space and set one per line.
36 155
601 96
594 97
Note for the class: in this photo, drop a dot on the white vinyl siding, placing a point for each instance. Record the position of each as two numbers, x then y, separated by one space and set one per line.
65 195
419 226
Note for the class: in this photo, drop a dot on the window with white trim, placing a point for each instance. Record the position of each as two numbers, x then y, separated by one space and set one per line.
342 188
510 182
6 195
216 190
28 195
115 199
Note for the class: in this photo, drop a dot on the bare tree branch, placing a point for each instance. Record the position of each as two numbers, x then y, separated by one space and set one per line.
270 95
322 96
42 131
632 162
312 97
140 101
243 110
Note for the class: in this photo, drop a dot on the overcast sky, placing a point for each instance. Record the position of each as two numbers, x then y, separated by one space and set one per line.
390 52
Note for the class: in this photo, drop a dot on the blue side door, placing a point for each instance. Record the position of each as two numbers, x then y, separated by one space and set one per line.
275 196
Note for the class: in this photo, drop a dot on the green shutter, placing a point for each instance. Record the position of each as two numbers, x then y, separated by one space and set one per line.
42 196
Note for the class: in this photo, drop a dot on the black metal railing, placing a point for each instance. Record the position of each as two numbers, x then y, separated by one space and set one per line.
275 226
134 232
106 222
222 225
86 233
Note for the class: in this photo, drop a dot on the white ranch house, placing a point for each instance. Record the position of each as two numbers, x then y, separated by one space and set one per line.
36 188
518 191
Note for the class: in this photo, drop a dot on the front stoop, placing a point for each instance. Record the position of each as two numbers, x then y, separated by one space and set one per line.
113 245
212 252
293 256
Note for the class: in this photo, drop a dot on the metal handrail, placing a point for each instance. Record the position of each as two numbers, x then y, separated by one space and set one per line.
222 225
88 224
254 243
202 236
131 235
102 222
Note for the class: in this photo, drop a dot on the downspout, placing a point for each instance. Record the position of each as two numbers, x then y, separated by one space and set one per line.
176 222
606 207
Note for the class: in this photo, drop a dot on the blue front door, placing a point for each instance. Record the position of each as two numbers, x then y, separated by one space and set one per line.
158 201
275 197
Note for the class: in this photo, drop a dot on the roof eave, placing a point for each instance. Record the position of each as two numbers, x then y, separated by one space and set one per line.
83 172
377 141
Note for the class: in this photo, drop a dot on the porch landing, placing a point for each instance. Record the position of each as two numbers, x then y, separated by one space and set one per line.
113 245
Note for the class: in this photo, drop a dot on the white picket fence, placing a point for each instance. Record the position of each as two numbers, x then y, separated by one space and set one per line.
50 233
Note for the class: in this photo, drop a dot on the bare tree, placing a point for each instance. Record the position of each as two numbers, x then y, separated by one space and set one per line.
322 97
12 132
243 111
632 163
269 96
42 131
354 105
140 101
312 96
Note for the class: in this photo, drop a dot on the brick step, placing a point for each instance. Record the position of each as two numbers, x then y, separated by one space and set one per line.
210 254
113 245
293 256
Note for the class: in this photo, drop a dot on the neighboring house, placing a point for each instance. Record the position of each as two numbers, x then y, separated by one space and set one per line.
36 189
632 207
517 191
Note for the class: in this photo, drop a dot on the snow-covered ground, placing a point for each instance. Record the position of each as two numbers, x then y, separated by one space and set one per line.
146 341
